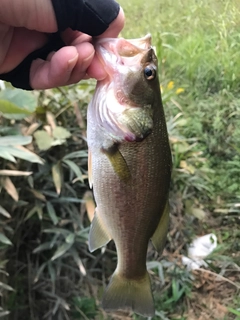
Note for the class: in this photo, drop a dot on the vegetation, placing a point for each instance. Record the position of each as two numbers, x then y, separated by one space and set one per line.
46 269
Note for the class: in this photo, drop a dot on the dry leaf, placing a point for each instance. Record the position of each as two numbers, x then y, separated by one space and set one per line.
38 195
10 188
15 173
89 204
51 120
57 176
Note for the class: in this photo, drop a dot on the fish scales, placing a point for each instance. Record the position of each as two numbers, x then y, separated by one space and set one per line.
130 178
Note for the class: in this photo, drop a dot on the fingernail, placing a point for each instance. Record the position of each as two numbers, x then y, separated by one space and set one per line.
89 57
72 61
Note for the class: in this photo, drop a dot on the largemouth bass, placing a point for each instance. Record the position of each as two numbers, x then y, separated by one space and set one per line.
129 168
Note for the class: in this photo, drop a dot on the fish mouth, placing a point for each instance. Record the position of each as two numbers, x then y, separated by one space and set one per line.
123 47
113 52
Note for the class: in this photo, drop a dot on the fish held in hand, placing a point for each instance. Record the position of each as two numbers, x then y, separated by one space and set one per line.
129 168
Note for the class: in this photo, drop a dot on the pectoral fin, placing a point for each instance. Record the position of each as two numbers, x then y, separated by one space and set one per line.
160 235
118 162
90 168
98 235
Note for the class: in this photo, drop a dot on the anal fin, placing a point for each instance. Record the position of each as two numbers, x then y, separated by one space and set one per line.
98 235
160 235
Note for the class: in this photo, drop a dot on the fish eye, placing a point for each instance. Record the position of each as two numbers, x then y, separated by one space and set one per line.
150 73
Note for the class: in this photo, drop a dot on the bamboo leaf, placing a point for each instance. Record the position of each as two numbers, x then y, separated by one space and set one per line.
38 195
61 250
42 247
74 168
70 238
79 262
89 204
4 313
52 213
21 152
6 287
15 173
40 271
4 239
15 140
10 188
57 176
6 155
76 154
4 212
31 213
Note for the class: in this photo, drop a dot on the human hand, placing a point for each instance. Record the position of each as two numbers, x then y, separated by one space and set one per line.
25 26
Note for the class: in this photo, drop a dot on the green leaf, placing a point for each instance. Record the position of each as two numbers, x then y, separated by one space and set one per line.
68 199
70 238
9 108
43 247
4 313
3 264
6 287
43 139
4 239
52 213
61 250
6 155
31 213
4 212
61 133
57 231
17 104
15 140
78 262
76 154
74 168
40 271
20 152
234 311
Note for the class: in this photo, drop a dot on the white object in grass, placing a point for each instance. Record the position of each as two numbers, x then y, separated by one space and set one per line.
198 250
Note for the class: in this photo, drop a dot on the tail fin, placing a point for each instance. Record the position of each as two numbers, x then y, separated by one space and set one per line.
135 295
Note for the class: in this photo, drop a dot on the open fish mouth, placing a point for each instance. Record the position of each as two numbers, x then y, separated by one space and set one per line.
119 51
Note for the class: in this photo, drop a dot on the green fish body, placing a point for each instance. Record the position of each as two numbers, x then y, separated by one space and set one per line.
129 168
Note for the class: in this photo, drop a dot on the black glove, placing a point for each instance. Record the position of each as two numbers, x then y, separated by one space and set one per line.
89 16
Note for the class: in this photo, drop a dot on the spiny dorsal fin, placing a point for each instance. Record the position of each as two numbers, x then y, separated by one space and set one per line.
98 235
118 162
160 235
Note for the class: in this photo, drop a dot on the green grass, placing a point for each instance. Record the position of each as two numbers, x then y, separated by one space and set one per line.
198 45
197 41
